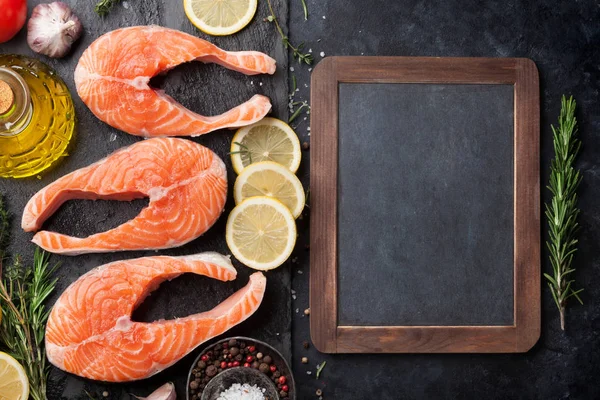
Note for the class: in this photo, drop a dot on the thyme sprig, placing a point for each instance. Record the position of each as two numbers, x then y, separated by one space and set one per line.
303 105
562 212
103 7
297 52
23 292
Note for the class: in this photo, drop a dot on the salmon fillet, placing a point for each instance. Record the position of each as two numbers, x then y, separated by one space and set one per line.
113 75
185 182
90 332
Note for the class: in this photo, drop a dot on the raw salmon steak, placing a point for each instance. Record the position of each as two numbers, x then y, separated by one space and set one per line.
185 182
90 332
113 75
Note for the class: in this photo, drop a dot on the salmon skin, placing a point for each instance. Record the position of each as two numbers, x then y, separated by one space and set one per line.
185 182
90 332
113 75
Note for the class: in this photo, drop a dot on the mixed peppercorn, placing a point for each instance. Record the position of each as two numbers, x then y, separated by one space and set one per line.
230 354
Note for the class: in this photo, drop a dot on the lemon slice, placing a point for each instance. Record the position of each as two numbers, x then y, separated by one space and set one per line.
269 139
270 179
261 233
14 384
220 17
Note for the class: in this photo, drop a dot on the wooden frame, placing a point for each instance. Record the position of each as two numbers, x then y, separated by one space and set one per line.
326 335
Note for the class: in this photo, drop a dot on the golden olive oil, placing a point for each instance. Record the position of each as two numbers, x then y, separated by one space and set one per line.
37 117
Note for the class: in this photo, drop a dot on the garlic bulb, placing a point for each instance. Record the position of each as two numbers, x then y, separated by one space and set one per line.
165 392
52 29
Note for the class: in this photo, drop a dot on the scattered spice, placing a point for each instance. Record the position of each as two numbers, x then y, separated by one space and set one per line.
304 360
319 392
305 146
307 311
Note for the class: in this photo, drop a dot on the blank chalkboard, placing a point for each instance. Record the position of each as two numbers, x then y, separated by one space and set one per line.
425 205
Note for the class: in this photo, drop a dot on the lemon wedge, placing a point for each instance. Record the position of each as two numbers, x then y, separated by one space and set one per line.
14 384
269 139
267 178
220 17
261 233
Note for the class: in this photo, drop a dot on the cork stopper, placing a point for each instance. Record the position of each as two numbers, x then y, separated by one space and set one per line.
7 97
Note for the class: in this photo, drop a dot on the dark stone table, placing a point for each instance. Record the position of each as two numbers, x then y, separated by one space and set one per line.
563 38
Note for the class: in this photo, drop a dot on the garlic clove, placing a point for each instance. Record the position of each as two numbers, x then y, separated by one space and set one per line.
52 29
165 392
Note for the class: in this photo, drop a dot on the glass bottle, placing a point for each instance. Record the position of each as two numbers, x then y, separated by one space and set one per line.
37 117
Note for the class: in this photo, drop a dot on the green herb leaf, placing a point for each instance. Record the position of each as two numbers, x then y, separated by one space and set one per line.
305 9
296 51
320 368
562 211
244 151
103 7
23 292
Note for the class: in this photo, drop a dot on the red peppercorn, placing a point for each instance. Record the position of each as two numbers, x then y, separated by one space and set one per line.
236 363
282 379
249 359
229 364
247 365
285 388
251 349
225 345
223 364
273 368
204 357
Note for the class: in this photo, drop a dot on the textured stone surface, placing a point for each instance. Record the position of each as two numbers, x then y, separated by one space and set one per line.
207 89
563 38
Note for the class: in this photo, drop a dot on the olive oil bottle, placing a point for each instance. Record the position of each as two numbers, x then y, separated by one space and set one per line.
37 117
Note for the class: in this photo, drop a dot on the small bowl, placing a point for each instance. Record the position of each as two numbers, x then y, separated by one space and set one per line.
240 375
278 360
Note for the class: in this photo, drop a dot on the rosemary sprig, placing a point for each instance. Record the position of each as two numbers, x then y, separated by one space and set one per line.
562 212
4 228
22 296
103 7
296 50
243 151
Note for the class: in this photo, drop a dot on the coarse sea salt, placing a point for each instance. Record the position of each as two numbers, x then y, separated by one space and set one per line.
242 392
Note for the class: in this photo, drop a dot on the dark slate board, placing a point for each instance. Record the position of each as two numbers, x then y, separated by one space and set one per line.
206 89
425 208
